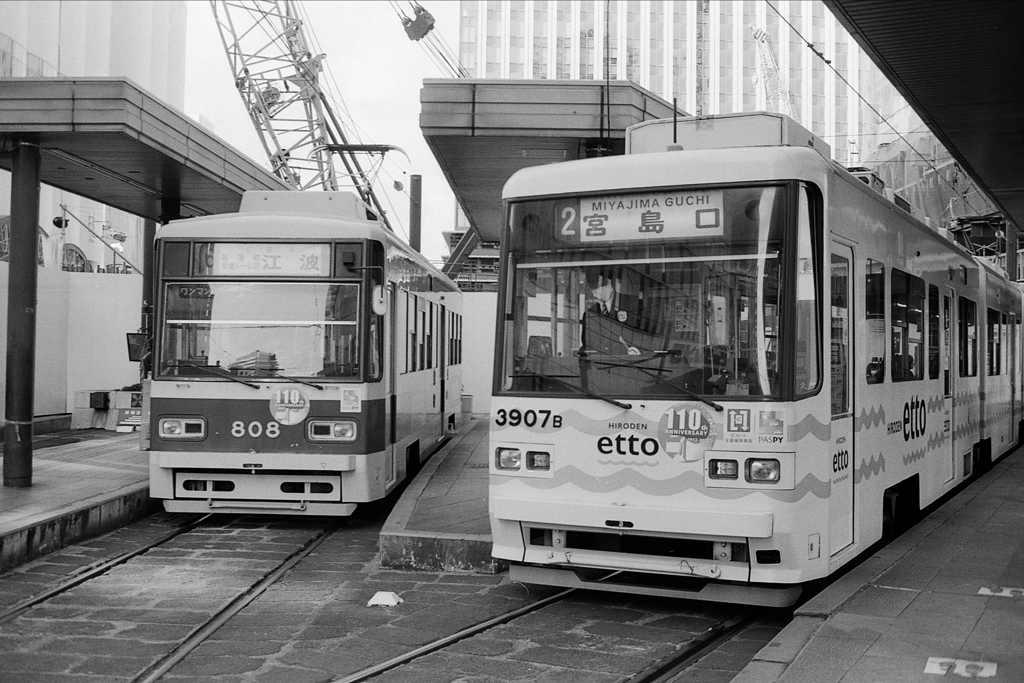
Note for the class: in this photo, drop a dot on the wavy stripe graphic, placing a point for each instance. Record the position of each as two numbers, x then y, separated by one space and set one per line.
936 404
691 479
967 398
870 420
936 440
914 456
813 426
627 463
869 468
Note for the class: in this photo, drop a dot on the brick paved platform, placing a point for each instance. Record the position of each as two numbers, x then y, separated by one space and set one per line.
440 523
84 483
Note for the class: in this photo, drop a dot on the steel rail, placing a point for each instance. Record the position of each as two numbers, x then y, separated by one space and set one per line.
97 570
199 635
667 668
442 643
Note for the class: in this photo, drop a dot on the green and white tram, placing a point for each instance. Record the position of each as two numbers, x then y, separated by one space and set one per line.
725 368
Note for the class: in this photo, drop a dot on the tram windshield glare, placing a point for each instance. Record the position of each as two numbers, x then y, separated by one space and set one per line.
261 330
660 294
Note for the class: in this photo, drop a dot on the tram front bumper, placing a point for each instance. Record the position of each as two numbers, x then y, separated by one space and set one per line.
634 518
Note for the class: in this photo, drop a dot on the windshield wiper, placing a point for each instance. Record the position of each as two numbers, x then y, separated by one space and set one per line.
575 387
217 371
686 392
298 380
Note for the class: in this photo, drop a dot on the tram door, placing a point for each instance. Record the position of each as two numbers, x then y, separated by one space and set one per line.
390 374
442 336
948 380
841 499
1011 367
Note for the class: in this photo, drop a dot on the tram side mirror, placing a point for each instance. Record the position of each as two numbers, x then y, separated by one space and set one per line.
137 342
378 302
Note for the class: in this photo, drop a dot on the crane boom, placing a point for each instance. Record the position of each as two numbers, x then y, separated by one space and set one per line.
780 99
278 78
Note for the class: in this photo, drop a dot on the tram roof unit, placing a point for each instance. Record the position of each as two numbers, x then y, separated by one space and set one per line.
721 131
325 206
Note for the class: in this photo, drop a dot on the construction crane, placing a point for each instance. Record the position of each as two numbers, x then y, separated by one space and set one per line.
776 88
700 86
420 28
278 78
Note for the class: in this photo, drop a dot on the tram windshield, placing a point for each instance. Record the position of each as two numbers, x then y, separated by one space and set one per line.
261 330
668 293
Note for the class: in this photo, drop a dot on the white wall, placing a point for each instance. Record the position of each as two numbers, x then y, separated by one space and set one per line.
478 320
51 341
102 309
81 322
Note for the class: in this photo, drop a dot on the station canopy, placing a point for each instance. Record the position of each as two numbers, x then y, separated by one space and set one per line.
958 65
481 131
108 140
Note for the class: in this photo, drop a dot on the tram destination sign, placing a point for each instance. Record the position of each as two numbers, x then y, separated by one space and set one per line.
667 215
275 259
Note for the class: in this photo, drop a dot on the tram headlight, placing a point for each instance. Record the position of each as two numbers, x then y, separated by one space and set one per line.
538 460
182 428
508 458
763 470
723 469
332 430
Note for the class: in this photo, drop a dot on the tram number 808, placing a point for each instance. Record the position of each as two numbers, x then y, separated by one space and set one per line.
255 429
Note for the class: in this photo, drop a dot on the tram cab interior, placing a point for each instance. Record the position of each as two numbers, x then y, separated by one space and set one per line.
699 317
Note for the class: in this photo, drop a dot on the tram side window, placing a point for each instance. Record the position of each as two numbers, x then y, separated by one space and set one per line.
421 333
933 332
415 335
808 362
968 338
907 326
840 336
995 342
410 332
430 334
455 353
874 307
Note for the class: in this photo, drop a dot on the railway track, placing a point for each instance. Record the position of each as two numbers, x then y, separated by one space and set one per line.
99 569
132 586
202 633
661 671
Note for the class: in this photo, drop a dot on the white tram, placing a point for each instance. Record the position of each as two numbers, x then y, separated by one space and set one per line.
725 369
305 360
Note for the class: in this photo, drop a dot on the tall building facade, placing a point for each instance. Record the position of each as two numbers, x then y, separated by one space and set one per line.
82 315
139 40
726 56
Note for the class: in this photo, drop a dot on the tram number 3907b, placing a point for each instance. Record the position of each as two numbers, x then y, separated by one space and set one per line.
527 418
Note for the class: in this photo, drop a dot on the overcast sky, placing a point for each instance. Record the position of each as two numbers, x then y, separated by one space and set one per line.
375 70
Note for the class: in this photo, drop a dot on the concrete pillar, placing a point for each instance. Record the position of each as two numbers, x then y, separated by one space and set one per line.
415 211
21 315
148 287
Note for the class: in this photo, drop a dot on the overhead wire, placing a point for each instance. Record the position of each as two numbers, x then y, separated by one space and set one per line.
863 99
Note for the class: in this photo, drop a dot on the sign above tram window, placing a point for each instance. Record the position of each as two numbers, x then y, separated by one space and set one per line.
263 259
649 216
